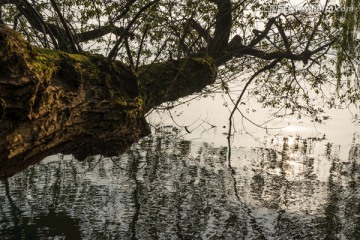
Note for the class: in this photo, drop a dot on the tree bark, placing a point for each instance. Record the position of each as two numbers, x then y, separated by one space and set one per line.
81 104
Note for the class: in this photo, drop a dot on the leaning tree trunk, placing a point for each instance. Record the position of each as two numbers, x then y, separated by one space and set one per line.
81 104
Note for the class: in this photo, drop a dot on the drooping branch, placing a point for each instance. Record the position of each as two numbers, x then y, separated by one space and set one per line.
317 24
238 101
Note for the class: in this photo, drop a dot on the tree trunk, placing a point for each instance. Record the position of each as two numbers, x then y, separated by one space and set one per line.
81 104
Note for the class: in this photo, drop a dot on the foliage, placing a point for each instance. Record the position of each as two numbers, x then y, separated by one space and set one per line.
304 57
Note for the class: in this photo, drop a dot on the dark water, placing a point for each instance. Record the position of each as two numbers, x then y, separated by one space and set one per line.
169 188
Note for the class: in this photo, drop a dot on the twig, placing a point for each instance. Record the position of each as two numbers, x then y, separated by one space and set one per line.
265 68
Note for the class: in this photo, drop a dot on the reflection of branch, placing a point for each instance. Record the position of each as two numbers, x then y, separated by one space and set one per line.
116 164
57 184
14 209
100 158
252 221
134 168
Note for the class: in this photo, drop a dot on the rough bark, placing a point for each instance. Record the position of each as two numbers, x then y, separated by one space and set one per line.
81 104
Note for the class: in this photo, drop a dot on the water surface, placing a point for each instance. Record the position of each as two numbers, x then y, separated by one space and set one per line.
167 187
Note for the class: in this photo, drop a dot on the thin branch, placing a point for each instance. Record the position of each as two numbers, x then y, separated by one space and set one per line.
260 35
141 46
128 52
67 30
115 49
316 26
16 21
249 120
263 69
125 11
283 36
204 33
36 20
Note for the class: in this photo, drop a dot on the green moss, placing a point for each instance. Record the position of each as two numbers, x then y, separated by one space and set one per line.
121 101
107 80
73 67
45 54
43 63
80 58
112 93
209 61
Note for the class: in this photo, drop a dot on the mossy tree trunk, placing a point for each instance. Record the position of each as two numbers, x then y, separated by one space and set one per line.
81 104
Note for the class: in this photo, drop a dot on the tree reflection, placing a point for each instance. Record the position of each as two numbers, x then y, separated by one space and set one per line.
166 187
51 224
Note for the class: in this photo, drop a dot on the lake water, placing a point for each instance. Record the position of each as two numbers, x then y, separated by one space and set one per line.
300 181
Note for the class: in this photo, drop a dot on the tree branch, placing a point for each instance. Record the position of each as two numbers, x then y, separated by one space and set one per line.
204 33
236 48
115 49
217 45
128 52
125 11
316 25
257 73
67 30
141 46
262 34
102 31
283 36
37 22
